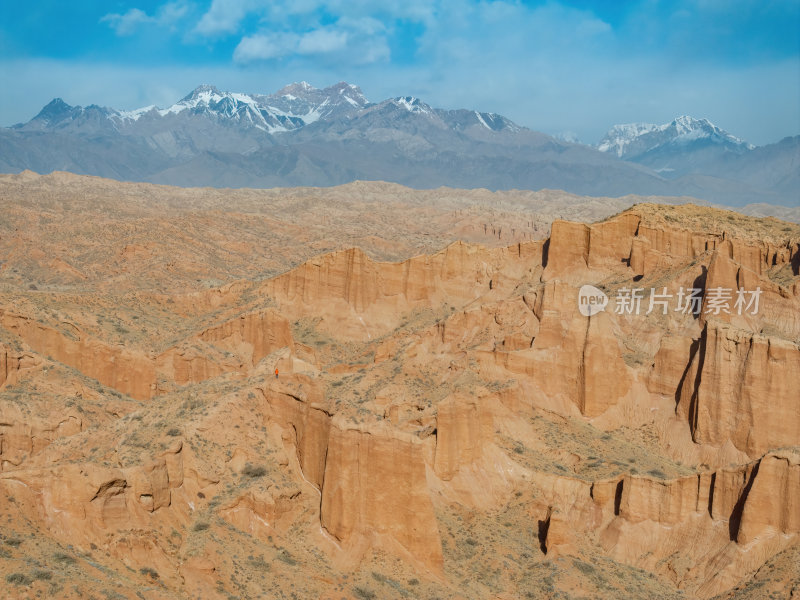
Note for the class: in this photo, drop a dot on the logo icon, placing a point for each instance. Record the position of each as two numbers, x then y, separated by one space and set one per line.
591 300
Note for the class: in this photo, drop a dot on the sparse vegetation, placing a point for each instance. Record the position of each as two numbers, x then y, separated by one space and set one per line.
41 575
254 471
149 572
18 579
62 558
285 557
364 593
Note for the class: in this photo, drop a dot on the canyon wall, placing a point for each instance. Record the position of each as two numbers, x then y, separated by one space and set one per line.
12 362
575 251
225 346
705 530
261 332
371 480
375 484
742 387
130 372
364 299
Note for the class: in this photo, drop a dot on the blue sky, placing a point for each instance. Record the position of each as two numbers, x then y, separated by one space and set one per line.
575 66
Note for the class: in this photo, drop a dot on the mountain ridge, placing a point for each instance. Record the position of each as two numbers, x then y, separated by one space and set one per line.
681 129
302 135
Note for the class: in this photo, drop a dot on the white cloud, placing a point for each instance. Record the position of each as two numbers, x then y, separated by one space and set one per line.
224 16
172 12
321 41
347 44
129 22
258 47
365 25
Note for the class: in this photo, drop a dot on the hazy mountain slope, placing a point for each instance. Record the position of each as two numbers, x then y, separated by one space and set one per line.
301 135
634 140
706 160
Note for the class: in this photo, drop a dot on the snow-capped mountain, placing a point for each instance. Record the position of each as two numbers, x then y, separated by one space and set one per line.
412 109
290 108
685 145
301 135
634 139
620 137
412 105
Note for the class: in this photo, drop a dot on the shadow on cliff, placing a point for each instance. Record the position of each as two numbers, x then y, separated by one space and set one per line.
544 526
736 515
700 283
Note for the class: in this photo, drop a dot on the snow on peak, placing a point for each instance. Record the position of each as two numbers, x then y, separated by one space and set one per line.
685 123
495 122
298 88
293 106
133 115
204 88
202 96
480 118
412 104
690 128
567 136
622 139
619 137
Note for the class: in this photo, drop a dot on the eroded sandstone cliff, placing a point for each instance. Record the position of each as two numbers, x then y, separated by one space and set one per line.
452 419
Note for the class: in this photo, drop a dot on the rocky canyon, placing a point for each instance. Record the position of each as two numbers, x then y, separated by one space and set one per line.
369 391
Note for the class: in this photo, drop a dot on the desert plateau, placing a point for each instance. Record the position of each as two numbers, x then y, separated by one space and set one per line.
373 392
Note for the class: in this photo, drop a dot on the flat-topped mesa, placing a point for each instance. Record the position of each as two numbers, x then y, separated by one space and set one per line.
573 359
670 363
263 332
463 427
722 396
309 421
772 505
575 248
654 244
364 298
670 502
232 346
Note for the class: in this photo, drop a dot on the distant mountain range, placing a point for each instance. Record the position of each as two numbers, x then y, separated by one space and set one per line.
302 135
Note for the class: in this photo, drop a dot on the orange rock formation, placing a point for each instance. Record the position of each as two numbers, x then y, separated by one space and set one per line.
442 412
